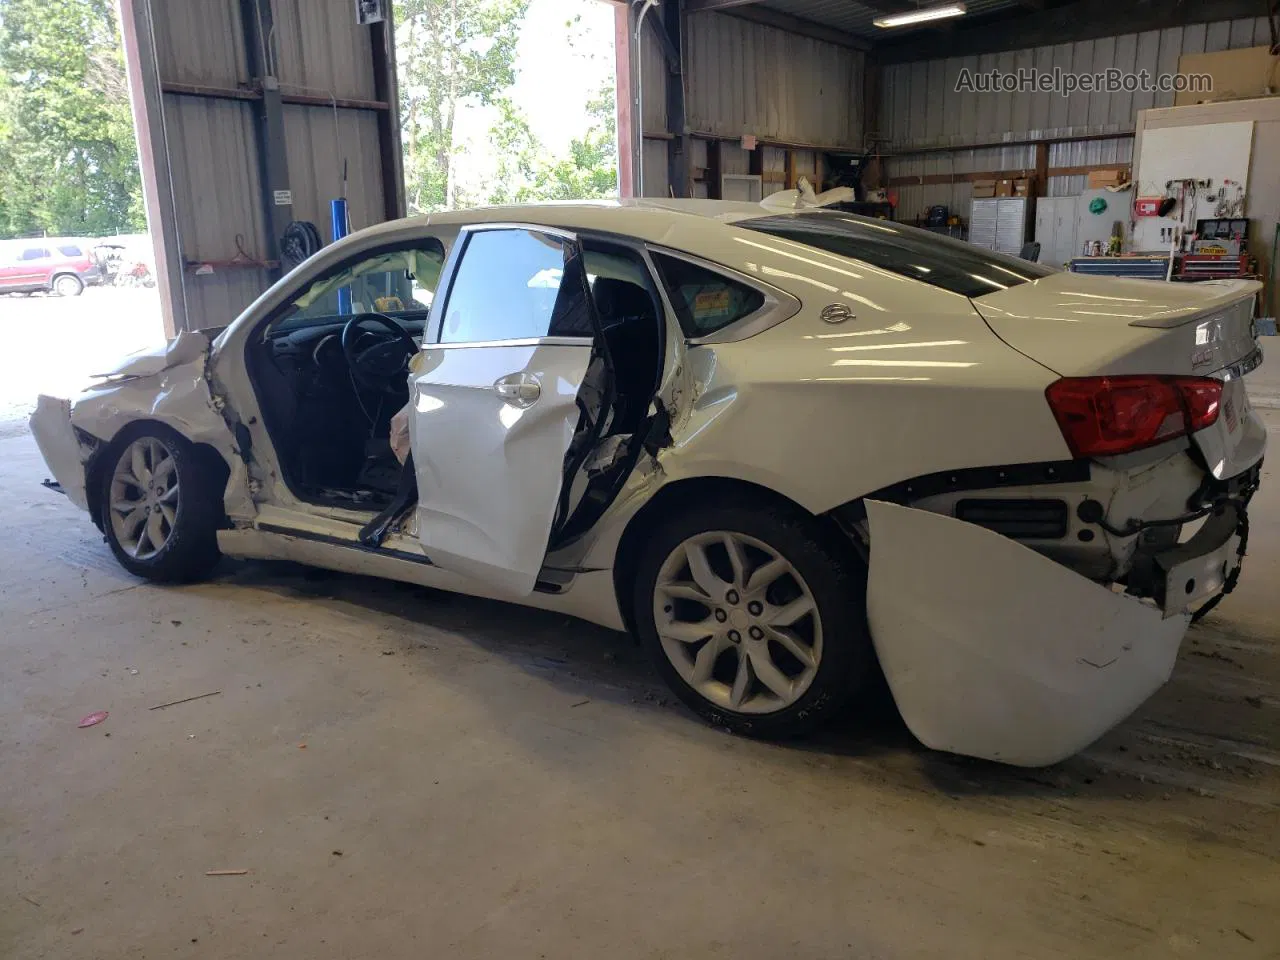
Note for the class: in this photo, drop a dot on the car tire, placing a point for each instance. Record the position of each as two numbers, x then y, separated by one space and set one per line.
68 285
171 535
799 674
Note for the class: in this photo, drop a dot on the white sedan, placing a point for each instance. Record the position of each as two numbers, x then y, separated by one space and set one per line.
786 449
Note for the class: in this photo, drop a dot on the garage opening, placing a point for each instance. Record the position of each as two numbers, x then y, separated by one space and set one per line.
77 279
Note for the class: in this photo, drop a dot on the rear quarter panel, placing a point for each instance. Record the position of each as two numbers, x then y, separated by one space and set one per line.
826 413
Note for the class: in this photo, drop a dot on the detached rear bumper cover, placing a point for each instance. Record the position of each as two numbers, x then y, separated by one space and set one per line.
994 651
62 451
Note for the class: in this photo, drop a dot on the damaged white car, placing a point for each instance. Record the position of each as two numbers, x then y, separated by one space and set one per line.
785 448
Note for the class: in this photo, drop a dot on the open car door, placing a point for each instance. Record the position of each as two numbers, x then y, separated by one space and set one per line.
494 403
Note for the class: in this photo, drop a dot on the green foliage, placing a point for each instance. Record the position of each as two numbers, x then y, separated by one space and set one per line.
451 52
518 153
458 53
591 169
68 159
526 173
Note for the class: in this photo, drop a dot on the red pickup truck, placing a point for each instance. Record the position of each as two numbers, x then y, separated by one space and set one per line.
58 265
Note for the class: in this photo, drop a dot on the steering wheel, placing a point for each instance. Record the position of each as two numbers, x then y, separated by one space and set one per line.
378 359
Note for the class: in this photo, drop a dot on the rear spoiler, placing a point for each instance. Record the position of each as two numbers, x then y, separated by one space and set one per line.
1220 293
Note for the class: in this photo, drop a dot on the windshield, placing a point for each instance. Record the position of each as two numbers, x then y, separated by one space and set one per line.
908 251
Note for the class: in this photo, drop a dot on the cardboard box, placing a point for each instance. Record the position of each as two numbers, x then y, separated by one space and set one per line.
1022 187
1004 187
984 188
1236 74
1108 177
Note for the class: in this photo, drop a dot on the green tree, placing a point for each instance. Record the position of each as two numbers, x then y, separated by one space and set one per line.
68 158
519 154
590 171
526 173
451 53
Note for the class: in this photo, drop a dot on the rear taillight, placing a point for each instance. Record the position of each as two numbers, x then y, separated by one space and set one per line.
1101 416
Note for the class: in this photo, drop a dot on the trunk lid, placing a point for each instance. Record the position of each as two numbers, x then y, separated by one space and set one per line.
1082 326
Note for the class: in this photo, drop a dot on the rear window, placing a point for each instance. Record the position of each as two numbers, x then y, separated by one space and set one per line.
71 250
704 300
910 252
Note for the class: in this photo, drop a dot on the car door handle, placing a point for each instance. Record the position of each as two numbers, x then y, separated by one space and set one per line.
518 389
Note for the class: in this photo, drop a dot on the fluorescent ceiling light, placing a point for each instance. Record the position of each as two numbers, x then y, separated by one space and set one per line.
923 15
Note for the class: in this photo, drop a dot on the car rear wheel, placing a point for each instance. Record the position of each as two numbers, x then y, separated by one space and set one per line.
755 616
68 285
159 505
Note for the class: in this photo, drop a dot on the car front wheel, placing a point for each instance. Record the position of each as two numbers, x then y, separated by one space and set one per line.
159 505
755 616
68 286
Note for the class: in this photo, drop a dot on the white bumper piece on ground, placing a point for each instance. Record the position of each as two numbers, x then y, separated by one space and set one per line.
51 426
994 651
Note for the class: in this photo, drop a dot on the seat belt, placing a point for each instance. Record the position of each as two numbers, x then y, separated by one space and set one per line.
373 533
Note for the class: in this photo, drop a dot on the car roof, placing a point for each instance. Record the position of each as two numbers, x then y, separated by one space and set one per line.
697 227
592 213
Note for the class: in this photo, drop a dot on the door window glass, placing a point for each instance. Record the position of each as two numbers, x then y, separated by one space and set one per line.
705 300
515 285
34 253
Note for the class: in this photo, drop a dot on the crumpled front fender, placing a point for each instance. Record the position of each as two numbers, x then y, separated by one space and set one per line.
994 651
188 346
168 386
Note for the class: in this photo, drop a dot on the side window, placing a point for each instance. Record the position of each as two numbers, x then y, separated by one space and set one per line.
705 300
621 287
515 285
400 283
34 253
71 250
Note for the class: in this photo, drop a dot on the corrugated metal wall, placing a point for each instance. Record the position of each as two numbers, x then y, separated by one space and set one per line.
653 76
322 49
317 142
747 78
1084 153
217 194
920 107
194 43
212 147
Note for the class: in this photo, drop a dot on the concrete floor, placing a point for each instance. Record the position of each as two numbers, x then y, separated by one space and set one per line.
411 774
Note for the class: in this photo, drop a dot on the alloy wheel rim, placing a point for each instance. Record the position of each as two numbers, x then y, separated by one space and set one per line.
738 622
65 286
144 498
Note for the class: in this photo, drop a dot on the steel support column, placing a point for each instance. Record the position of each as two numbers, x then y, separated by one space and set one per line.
261 56
671 28
382 42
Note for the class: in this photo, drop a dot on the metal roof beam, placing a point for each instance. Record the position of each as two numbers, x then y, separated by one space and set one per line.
698 6
1058 23
797 25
